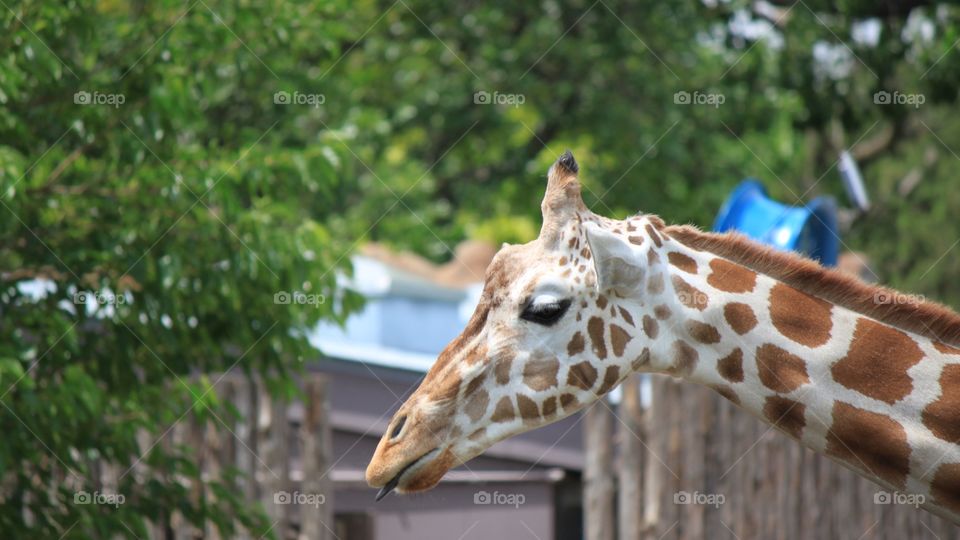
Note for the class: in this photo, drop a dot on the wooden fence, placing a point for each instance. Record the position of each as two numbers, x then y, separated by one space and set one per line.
283 448
694 465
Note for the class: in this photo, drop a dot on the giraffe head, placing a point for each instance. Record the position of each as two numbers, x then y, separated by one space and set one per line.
550 334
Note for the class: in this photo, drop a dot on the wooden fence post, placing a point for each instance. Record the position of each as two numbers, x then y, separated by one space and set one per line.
655 471
598 487
272 461
630 479
316 436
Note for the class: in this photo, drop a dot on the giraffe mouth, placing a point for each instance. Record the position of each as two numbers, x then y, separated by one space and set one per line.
395 481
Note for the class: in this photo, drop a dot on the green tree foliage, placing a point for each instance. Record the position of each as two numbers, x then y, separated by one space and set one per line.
798 83
152 187
258 142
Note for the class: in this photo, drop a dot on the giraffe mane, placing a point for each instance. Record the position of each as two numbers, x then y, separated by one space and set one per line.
925 318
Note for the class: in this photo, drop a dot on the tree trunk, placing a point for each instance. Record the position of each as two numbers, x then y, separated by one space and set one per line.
630 497
598 488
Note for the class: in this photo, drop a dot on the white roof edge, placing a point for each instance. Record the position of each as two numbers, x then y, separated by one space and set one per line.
374 278
377 355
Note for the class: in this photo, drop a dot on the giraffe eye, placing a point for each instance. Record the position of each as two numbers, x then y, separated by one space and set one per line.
545 311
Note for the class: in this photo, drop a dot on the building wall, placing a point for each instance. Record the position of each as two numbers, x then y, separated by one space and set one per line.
451 512
362 401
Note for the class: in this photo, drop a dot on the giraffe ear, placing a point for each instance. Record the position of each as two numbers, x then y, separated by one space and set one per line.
562 201
614 261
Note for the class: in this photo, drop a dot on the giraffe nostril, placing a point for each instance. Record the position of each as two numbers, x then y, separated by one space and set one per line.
398 427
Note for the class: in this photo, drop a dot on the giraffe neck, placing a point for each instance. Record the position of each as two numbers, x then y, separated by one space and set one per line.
882 401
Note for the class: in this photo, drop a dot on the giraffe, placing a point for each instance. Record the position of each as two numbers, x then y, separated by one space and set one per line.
828 360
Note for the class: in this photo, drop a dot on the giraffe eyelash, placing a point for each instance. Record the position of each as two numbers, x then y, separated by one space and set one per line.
546 314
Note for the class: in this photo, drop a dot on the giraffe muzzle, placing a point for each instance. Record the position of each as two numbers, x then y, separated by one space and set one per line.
395 481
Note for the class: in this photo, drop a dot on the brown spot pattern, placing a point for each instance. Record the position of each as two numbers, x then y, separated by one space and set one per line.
865 439
786 414
475 383
652 257
942 416
945 486
689 295
541 373
877 362
446 388
610 378
642 360
727 392
502 368
626 316
582 375
703 332
638 240
740 317
619 339
655 284
682 261
944 348
595 330
576 344
528 408
729 277
567 399
654 236
730 366
650 327
477 403
477 354
780 370
549 406
662 312
799 316
685 357
602 302
504 411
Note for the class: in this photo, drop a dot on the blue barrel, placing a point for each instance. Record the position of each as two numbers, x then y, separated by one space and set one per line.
810 229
